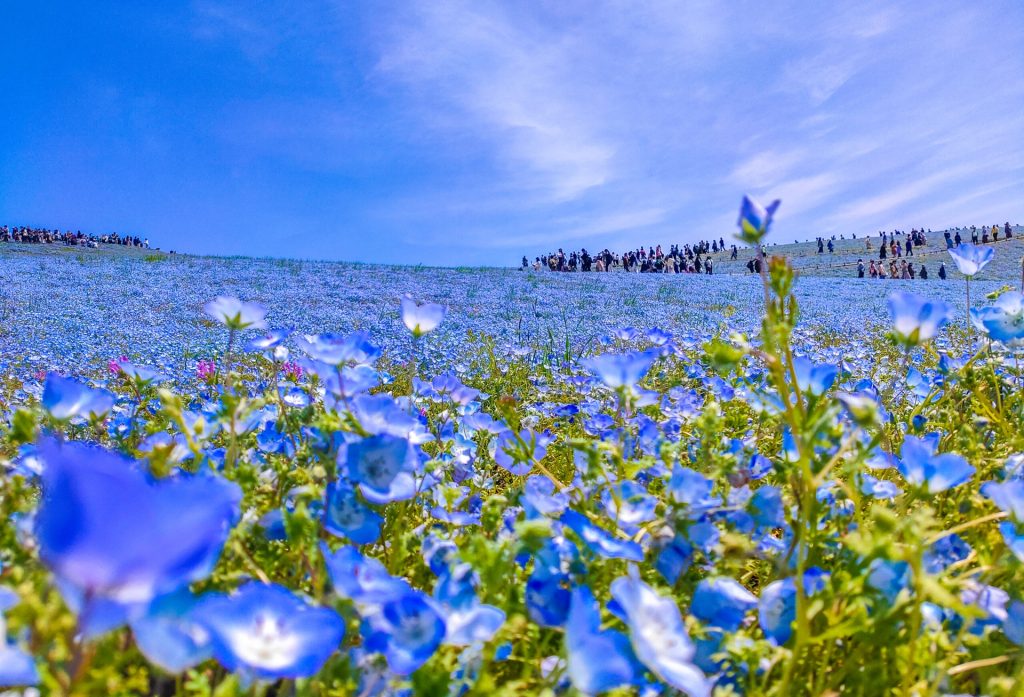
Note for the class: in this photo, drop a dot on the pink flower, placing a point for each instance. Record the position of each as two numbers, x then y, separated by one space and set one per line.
114 365
292 370
206 371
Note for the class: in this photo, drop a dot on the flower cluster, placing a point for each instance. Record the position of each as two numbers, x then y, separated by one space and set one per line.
658 512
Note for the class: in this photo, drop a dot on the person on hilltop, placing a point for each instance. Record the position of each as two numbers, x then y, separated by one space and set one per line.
923 274
860 268
1008 231
942 270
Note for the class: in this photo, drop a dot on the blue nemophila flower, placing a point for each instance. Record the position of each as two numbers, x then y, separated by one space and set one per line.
944 552
111 533
467 620
693 490
722 602
338 349
265 631
990 600
1008 496
346 516
628 504
17 667
169 636
1013 625
1004 321
599 541
621 370
518 453
971 259
814 378
658 635
376 461
598 660
66 398
767 508
421 319
674 558
755 220
878 488
539 498
235 314
776 609
889 577
363 580
269 342
407 630
547 588
916 319
922 467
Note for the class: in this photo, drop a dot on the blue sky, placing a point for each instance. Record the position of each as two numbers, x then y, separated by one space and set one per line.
473 132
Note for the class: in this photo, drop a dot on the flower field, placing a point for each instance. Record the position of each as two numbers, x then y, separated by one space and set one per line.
362 480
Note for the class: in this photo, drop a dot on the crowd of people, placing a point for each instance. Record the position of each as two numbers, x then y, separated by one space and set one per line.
903 270
33 235
688 258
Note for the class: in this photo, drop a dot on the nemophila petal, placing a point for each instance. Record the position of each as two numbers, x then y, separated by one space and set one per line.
106 528
599 541
66 398
410 629
266 632
767 508
916 319
722 602
270 341
944 552
517 452
776 608
814 378
17 667
235 314
921 467
1013 536
377 460
755 219
990 600
628 504
617 370
971 259
473 624
599 661
1008 496
889 577
364 580
1005 320
169 636
539 498
674 557
336 349
346 516
658 635
421 319
1013 625
878 488
692 489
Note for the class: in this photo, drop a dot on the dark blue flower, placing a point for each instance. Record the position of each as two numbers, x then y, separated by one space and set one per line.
722 602
598 660
600 541
346 516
